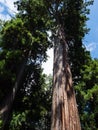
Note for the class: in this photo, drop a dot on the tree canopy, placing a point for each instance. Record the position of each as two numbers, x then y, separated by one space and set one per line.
23 45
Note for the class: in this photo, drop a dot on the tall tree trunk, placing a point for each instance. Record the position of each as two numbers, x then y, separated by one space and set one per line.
64 107
6 109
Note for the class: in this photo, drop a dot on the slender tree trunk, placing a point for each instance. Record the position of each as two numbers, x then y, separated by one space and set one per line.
64 107
6 110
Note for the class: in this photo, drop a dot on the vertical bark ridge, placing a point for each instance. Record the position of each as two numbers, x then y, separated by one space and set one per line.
64 107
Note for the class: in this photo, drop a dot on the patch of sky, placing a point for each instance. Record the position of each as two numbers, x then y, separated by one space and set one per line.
91 39
3 9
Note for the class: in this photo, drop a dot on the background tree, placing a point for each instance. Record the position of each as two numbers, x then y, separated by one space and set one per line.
86 91
20 47
32 102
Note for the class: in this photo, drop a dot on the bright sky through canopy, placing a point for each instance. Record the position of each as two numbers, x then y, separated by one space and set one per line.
91 39
7 9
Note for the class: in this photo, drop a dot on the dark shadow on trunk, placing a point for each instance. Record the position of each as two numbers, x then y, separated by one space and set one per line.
64 107
6 108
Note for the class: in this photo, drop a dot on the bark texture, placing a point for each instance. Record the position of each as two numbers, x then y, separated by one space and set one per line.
64 107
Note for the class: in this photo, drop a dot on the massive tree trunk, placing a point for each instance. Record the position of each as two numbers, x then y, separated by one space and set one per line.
6 109
64 107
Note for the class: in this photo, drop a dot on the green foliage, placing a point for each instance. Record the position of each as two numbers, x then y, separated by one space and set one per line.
17 120
12 52
16 36
35 98
1 123
87 91
25 37
17 44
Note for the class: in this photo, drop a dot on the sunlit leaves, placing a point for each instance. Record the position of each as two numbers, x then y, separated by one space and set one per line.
17 120
16 36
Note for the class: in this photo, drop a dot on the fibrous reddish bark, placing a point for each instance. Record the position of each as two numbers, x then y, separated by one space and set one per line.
64 107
